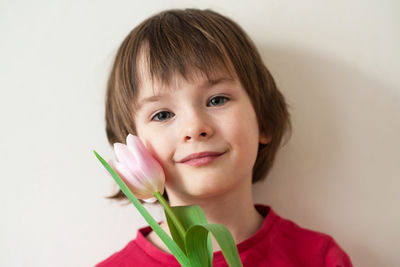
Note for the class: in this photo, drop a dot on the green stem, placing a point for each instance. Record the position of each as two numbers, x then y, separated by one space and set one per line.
167 208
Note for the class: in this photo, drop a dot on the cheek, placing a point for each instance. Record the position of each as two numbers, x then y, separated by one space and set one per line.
244 133
243 127
156 149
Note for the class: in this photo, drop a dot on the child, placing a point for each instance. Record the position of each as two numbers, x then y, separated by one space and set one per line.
192 86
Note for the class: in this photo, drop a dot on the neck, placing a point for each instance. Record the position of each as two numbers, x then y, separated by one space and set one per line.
233 209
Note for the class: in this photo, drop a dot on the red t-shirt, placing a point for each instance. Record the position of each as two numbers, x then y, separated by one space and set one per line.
279 242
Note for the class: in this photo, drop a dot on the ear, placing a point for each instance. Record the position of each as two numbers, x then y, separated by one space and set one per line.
264 139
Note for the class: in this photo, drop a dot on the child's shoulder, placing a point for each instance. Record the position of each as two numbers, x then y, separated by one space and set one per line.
139 252
282 228
304 245
288 229
119 257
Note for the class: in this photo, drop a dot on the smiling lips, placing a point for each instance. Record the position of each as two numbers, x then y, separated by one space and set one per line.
199 159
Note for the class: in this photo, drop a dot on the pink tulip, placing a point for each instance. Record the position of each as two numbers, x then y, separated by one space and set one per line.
138 168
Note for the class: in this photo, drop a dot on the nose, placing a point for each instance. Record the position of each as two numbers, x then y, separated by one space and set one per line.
197 126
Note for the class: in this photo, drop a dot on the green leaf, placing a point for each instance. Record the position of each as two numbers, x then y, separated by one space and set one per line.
188 216
196 239
174 231
172 246
196 246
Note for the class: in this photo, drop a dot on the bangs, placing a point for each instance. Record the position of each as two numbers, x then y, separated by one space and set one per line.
174 44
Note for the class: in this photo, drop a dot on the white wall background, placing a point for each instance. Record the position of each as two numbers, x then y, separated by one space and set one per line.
337 62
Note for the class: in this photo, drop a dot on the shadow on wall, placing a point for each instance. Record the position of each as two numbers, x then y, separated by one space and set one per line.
344 125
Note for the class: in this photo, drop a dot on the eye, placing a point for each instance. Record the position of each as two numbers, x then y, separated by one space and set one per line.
162 115
218 100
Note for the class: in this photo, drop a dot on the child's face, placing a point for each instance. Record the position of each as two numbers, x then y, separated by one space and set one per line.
193 116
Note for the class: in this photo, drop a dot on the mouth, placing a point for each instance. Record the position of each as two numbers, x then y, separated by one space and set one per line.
200 159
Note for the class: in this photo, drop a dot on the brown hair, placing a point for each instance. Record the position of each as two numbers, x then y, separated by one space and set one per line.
178 41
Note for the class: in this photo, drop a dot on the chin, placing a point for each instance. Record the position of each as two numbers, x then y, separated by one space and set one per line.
208 193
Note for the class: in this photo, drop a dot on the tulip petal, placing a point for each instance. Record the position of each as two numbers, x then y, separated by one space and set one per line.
123 154
148 164
150 200
125 157
138 168
125 176
138 186
138 149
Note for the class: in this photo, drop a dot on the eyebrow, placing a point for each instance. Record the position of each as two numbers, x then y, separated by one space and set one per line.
206 85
